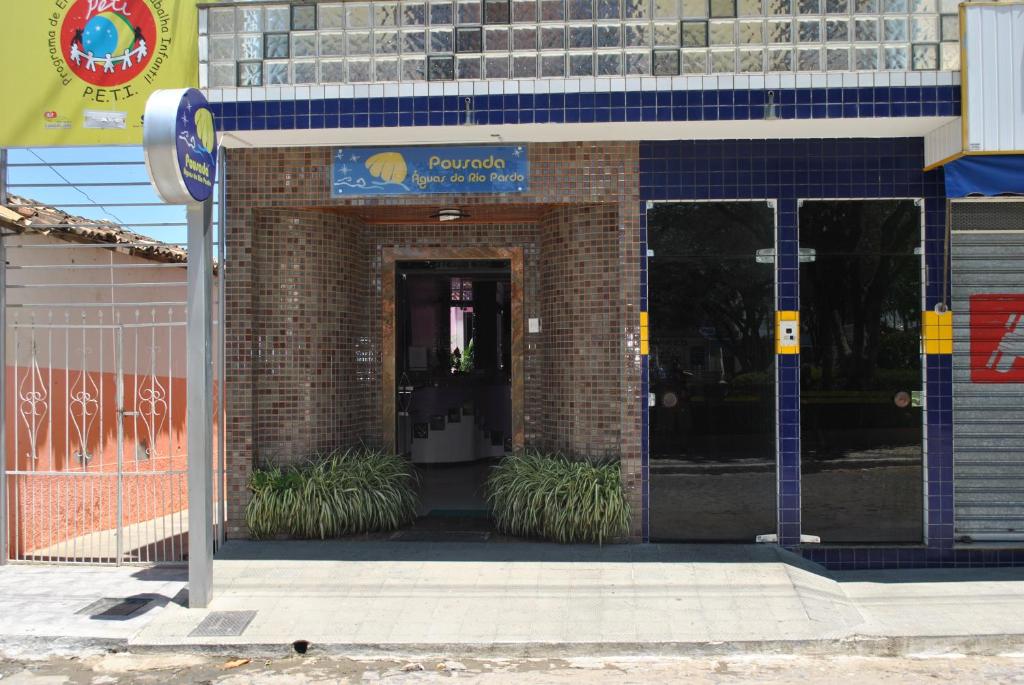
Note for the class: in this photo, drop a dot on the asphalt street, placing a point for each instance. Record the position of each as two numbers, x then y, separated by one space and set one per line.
170 669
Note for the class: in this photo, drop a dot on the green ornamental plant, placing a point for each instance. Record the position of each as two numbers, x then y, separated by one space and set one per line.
468 360
550 496
344 492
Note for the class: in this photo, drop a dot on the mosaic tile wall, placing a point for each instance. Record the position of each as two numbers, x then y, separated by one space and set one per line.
275 247
786 171
581 334
442 40
310 315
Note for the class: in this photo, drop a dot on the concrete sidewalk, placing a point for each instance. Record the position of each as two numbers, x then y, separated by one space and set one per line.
542 599
937 602
528 599
65 609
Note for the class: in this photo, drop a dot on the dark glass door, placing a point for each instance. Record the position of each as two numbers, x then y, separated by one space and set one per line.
860 403
712 375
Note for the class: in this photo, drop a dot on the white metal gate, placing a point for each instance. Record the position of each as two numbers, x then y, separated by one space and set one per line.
93 435
97 415
988 369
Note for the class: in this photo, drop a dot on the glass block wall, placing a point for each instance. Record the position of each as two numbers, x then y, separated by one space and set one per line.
250 44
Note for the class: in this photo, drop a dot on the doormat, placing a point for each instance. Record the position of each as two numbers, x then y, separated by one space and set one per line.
460 513
223 624
114 608
440 536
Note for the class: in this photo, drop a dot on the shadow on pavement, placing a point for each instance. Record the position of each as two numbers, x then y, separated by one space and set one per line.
168 574
127 608
371 550
423 551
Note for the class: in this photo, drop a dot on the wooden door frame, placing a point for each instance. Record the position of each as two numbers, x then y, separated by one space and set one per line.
390 256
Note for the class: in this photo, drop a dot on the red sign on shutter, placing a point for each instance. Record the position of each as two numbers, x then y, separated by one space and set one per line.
997 338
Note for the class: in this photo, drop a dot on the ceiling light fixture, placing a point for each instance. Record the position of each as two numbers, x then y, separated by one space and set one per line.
450 214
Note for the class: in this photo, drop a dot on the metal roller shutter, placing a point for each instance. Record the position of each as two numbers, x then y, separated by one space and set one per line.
987 247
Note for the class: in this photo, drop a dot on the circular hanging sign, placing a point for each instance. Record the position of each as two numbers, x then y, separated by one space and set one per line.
180 144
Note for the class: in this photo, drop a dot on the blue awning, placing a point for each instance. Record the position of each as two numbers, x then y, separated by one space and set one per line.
985 175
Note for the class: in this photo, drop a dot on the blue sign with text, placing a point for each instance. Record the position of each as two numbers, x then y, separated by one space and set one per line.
429 170
197 145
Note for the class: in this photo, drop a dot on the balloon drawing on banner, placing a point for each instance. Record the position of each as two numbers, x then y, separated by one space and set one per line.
108 43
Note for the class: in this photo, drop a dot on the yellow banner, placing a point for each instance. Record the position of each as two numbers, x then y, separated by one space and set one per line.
78 72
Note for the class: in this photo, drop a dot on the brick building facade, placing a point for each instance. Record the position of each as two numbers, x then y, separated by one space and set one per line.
304 310
760 182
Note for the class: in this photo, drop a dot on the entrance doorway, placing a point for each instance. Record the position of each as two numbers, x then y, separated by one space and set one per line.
712 420
453 372
860 400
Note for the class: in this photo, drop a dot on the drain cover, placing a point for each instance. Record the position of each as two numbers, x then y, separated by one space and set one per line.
223 624
114 607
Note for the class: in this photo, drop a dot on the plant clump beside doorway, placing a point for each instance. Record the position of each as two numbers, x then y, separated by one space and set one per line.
550 496
345 492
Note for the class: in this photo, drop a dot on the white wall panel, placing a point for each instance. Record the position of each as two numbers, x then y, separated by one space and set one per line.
943 143
994 77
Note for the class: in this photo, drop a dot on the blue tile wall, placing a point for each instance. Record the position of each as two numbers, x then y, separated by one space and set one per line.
911 557
786 171
627 106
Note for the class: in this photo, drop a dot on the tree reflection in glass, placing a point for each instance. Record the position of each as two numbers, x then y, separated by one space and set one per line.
860 302
711 304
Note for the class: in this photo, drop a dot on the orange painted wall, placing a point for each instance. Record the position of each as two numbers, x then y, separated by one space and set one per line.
52 507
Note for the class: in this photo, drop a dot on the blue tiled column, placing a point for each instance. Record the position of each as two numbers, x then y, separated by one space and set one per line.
939 391
788 388
940 452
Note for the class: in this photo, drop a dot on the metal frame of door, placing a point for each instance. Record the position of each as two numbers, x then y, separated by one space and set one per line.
919 202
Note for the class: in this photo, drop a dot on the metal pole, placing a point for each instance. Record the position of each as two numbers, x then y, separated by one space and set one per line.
4 523
200 411
222 414
119 391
